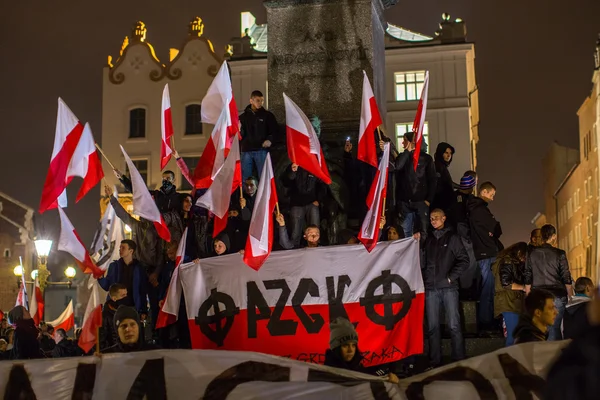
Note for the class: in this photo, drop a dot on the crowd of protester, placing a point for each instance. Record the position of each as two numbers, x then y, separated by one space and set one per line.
524 291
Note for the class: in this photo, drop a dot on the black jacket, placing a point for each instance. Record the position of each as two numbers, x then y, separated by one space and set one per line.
198 244
575 374
108 334
444 190
304 188
415 186
508 270
66 348
333 358
548 268
526 332
25 342
257 126
457 214
445 258
575 320
482 223
165 200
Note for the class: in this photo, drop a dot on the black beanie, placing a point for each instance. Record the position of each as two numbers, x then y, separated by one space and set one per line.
123 313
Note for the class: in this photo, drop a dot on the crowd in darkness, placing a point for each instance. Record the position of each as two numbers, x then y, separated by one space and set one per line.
524 291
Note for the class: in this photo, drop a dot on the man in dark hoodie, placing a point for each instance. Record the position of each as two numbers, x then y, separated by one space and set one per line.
259 126
117 296
343 348
485 234
444 190
540 313
25 338
445 259
415 190
575 321
130 336
222 244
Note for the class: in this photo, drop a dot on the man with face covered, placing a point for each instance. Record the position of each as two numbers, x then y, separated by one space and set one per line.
166 198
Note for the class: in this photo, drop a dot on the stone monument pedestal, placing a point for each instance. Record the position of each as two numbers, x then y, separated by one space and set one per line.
318 50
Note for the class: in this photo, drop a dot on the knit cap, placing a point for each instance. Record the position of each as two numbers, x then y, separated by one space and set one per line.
467 182
342 331
123 313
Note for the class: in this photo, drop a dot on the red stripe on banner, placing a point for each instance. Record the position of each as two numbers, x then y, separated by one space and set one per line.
298 146
378 345
57 173
203 171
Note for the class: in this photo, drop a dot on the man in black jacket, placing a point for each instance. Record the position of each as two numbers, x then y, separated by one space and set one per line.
117 297
445 259
485 234
548 268
444 192
166 198
540 314
65 347
259 126
575 321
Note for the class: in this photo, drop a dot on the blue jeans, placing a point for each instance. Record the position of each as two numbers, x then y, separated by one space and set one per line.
249 160
554 332
510 322
485 313
298 216
412 213
447 298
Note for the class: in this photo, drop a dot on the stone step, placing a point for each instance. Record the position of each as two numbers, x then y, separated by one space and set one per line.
473 346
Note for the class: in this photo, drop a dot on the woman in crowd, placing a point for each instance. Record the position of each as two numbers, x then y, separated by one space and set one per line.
508 277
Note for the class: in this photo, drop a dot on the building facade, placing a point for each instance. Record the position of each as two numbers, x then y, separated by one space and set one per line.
133 83
576 199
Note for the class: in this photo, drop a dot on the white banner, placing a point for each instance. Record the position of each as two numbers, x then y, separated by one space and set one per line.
515 372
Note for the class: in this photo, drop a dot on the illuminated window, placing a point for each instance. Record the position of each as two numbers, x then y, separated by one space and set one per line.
402 128
137 123
193 120
409 85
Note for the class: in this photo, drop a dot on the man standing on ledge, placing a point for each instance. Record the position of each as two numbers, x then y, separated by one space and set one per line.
258 127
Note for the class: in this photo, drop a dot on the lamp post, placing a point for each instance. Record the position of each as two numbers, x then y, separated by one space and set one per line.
42 248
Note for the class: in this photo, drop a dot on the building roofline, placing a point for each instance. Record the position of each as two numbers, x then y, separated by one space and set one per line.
17 202
564 181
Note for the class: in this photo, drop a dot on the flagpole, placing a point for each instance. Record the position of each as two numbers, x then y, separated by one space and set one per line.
379 134
106 158
277 207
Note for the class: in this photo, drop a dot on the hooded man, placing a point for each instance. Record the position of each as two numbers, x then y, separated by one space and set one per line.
444 190
258 127
575 321
130 336
25 337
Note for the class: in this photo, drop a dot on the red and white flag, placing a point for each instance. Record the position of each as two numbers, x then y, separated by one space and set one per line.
92 318
228 179
369 232
303 144
143 204
370 119
218 96
419 123
66 320
67 135
22 299
285 308
166 126
37 303
170 309
260 234
71 243
214 153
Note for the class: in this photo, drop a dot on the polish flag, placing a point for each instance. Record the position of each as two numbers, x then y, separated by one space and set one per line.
260 235
37 303
228 179
369 232
419 123
170 309
84 164
66 320
370 119
22 299
214 153
218 96
303 144
143 204
92 319
166 128
70 242
67 135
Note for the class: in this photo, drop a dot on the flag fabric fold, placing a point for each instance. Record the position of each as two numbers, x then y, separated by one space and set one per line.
108 237
66 320
22 299
260 234
303 144
166 128
419 123
67 135
370 119
71 243
369 231
92 318
143 204
37 303
214 153
218 96
170 309
86 163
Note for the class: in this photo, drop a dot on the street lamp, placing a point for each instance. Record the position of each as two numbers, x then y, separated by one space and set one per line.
34 274
18 271
42 248
70 272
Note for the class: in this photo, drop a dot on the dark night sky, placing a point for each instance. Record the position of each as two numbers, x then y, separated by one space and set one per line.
534 66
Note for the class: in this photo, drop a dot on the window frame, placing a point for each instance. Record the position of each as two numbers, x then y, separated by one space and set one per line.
189 131
416 84
132 110
148 168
